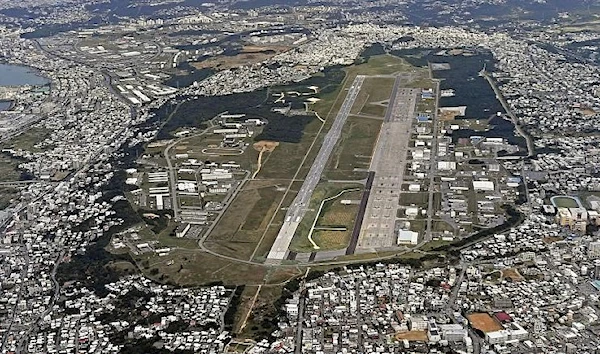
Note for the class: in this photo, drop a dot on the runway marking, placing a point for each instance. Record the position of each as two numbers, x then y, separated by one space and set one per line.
298 208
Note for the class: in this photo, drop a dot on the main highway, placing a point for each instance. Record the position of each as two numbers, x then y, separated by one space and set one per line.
297 210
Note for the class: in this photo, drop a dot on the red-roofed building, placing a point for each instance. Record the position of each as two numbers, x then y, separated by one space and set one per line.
503 317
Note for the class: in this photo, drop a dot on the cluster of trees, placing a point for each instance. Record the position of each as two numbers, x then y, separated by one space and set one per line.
90 268
234 305
192 75
192 112
371 51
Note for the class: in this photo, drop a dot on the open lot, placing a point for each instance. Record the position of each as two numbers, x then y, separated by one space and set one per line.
354 150
512 273
333 214
28 140
484 322
248 55
240 229
413 336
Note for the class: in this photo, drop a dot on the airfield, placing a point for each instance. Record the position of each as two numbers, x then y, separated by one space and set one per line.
375 174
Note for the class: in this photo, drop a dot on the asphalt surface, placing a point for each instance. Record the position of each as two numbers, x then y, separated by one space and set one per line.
298 208
388 163
361 214
433 167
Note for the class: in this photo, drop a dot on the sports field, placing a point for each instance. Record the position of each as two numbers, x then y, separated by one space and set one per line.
484 322
565 201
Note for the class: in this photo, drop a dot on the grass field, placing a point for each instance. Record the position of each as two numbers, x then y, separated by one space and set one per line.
564 202
193 267
374 91
333 211
7 194
414 198
358 257
284 161
25 141
188 265
354 150
433 244
28 139
419 226
8 169
261 313
239 231
335 214
441 226
189 201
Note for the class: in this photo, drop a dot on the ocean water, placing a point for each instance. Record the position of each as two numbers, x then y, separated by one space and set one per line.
14 75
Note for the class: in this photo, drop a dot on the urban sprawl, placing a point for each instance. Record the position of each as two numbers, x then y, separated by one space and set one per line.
460 240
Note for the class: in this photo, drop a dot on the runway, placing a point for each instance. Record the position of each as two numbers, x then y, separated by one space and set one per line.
297 210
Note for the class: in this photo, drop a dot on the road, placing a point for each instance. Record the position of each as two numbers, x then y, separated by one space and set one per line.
25 338
453 307
20 183
21 291
93 156
172 177
298 341
433 164
299 206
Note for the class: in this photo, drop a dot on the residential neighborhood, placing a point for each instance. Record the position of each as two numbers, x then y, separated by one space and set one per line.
437 162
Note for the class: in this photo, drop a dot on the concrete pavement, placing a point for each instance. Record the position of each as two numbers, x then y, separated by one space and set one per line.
298 208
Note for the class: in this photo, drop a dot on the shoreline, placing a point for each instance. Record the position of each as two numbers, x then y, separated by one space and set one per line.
11 105
29 70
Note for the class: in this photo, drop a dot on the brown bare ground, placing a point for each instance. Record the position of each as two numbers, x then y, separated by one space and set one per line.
248 56
265 145
413 336
587 111
512 273
549 240
484 322
449 114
